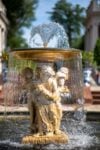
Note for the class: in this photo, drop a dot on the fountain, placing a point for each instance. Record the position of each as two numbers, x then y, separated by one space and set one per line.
46 78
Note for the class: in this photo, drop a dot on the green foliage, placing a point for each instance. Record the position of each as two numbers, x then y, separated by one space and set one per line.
71 17
5 56
20 13
88 58
97 52
17 41
78 43
19 64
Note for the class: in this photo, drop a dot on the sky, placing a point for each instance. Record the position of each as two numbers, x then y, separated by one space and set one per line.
45 6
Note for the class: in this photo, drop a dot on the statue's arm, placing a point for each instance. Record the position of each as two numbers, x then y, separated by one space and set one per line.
42 88
53 95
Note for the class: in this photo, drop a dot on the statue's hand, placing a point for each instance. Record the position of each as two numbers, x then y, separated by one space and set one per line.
64 90
56 97
42 89
52 96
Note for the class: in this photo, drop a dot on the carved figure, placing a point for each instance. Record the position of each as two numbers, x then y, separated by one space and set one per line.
45 97
46 101
62 75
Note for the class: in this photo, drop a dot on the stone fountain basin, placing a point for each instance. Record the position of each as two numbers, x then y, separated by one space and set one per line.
45 54
82 135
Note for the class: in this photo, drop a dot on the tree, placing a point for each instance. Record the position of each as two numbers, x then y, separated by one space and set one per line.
78 43
97 52
20 14
71 17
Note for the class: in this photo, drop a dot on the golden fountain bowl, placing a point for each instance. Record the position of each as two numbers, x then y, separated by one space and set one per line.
45 54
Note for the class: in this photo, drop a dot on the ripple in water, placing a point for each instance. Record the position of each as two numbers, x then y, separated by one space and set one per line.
81 135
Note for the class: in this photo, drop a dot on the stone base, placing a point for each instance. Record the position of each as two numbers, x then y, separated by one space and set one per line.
45 139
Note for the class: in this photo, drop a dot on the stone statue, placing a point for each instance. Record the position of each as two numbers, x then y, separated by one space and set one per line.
62 75
44 105
48 100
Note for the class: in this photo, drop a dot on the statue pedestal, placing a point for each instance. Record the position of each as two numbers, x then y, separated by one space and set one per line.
45 139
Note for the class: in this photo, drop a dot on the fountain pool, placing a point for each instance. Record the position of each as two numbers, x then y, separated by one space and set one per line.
82 135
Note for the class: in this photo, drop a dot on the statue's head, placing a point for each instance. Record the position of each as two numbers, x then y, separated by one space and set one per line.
62 75
45 70
48 70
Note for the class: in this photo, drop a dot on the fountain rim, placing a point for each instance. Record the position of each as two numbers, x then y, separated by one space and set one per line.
47 49
50 54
